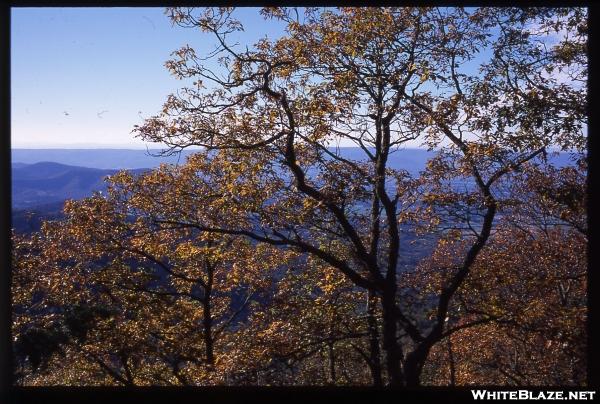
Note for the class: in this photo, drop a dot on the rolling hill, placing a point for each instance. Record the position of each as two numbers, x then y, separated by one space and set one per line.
46 183
42 179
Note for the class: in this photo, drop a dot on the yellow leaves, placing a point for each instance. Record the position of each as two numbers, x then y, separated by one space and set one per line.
285 71
330 283
162 287
424 75
332 38
533 93
188 251
309 204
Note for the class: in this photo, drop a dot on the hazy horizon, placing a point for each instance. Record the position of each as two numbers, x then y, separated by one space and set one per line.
105 81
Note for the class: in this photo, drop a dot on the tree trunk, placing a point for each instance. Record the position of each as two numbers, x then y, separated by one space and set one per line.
413 366
331 360
390 344
208 337
375 352
207 320
452 362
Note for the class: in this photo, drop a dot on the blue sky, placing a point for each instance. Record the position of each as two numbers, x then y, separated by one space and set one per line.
83 77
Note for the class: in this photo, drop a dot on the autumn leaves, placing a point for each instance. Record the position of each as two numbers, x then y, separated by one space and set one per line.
270 257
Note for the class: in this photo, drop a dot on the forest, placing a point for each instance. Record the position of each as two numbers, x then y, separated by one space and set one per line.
271 258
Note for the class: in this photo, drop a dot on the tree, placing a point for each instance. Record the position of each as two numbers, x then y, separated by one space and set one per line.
475 82
138 304
273 256
312 331
531 280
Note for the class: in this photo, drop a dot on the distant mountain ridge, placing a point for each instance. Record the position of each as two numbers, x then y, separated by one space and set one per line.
42 179
412 160
112 159
30 220
115 159
48 183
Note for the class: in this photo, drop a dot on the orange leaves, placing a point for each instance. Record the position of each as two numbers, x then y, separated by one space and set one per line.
243 254
331 281
516 280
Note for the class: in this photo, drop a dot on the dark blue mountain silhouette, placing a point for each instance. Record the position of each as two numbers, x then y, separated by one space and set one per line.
42 179
98 158
408 159
47 183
